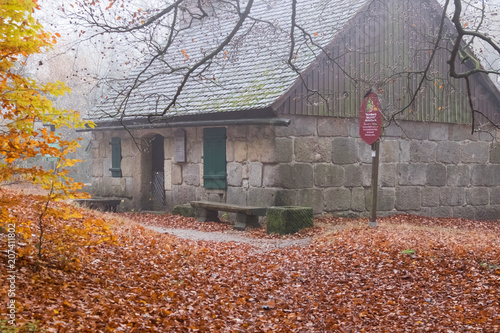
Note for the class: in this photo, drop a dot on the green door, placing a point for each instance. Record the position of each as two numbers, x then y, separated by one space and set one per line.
116 157
214 157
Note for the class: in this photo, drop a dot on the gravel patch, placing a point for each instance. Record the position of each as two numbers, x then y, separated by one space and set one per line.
261 245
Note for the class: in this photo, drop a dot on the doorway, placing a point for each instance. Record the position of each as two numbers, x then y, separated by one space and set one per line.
158 172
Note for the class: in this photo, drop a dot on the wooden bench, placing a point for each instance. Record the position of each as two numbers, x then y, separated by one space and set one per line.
246 216
102 204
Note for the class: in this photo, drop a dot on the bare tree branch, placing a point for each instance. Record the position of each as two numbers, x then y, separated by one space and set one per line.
160 31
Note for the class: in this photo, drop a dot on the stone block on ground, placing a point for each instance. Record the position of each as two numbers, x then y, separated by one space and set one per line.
288 219
184 210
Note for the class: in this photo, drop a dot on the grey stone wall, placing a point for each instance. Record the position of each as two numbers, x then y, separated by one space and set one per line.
429 169
102 183
425 168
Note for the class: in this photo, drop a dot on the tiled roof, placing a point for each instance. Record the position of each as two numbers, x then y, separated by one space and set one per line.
251 75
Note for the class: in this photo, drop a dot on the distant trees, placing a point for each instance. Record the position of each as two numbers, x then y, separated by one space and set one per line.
27 113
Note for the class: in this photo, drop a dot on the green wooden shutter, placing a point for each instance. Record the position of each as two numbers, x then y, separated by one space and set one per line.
116 157
214 157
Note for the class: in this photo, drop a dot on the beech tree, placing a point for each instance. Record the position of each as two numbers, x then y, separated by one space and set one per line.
27 123
147 33
26 109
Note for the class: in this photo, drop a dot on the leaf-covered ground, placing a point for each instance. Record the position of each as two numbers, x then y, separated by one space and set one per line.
410 274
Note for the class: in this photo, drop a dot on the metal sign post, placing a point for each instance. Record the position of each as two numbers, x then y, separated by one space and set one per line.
375 161
370 129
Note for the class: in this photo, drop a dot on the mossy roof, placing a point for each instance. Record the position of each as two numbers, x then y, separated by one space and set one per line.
251 73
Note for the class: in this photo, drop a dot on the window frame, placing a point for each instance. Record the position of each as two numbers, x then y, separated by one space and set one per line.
116 157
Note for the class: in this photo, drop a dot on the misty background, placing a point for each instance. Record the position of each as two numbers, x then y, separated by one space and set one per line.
91 61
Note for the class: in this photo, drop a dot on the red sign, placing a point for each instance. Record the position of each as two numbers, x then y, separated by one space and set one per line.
370 119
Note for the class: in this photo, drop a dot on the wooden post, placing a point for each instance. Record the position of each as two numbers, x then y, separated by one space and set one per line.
370 130
375 163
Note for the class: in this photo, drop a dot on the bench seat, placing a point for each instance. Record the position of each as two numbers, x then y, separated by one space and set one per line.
246 216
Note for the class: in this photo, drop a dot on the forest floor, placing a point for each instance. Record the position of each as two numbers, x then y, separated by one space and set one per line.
166 273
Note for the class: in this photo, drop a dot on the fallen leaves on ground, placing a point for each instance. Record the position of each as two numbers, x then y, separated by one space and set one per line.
352 278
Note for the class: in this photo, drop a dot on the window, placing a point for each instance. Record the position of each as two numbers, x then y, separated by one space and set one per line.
116 157
214 157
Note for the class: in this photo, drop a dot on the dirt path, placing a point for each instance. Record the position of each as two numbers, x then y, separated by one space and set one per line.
261 245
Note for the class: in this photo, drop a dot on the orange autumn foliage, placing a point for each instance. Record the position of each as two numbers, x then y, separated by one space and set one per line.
68 230
25 106
25 112
411 274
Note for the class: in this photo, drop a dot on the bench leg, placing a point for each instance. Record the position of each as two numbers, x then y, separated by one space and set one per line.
246 221
205 215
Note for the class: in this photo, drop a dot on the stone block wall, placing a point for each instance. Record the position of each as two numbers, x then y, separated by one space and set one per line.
102 183
429 169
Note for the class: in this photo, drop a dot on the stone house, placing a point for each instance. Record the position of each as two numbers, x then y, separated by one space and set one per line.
251 131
